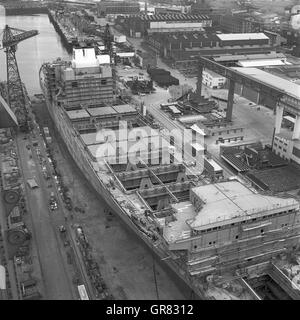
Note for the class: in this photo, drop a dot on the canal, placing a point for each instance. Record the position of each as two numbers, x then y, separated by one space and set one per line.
32 52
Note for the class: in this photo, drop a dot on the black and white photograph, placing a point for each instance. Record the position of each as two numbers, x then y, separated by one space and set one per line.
149 153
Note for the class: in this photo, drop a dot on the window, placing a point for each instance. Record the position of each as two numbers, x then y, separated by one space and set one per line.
74 84
262 231
103 81
209 243
195 247
236 236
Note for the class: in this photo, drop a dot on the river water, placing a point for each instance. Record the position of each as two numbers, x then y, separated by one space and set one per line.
31 53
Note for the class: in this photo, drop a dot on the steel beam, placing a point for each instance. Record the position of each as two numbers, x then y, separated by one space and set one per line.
290 103
230 100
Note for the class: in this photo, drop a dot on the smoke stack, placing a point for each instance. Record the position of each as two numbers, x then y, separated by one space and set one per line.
146 7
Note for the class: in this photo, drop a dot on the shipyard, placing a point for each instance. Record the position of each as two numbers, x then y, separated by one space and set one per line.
149 151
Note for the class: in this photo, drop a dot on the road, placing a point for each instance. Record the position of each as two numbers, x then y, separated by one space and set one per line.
61 217
56 279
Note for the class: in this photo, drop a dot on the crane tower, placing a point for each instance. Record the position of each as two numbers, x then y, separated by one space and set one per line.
15 91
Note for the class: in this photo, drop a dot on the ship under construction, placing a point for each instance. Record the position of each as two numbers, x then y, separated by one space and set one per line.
220 239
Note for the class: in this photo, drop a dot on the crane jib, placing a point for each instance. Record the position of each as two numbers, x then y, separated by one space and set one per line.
11 39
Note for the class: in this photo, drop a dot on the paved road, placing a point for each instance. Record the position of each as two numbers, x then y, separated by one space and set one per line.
55 277
61 217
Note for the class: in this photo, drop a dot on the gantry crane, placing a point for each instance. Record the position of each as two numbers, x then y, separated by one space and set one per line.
15 92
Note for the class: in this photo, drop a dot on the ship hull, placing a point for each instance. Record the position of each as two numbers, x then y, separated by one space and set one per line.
77 153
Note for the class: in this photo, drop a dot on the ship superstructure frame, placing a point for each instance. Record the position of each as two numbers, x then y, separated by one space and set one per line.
200 231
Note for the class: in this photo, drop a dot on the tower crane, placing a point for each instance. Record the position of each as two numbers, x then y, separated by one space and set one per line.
15 91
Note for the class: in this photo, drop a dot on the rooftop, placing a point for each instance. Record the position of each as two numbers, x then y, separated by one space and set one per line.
230 200
229 57
186 36
174 17
261 63
84 57
242 36
272 80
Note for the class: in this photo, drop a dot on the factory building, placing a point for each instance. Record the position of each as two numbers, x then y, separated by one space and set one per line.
146 59
199 42
239 23
117 8
182 49
252 60
213 80
143 25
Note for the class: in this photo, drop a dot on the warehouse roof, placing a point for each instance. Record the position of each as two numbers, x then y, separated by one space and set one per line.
185 37
261 63
174 17
230 57
242 36
289 87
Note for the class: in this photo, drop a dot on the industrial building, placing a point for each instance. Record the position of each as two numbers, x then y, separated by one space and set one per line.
272 58
181 49
198 42
143 25
105 7
213 80
285 144
239 23
146 59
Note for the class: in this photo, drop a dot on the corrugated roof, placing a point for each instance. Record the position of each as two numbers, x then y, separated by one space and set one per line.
174 17
242 36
